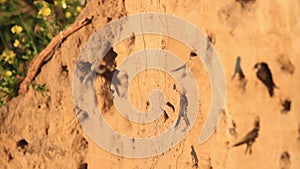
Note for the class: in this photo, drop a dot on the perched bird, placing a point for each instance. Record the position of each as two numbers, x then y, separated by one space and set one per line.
238 69
264 74
250 137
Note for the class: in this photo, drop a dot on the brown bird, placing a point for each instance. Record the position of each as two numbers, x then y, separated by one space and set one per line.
264 74
249 139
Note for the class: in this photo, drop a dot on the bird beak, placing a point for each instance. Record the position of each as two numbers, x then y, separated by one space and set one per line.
256 67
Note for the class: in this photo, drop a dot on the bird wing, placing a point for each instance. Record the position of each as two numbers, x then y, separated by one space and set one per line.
248 138
265 75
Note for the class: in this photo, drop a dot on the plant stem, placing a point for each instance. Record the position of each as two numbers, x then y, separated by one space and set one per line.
3 40
26 28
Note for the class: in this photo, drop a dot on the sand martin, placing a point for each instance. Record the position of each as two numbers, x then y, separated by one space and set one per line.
264 74
250 137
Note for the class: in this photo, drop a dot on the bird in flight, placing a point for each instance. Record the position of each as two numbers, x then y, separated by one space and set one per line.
249 139
264 74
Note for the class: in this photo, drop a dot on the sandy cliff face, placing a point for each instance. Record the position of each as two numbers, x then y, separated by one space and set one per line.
43 131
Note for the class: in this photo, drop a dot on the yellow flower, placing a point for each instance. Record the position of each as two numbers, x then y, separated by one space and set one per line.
45 11
8 53
16 43
8 73
64 5
78 8
68 14
56 3
8 56
16 29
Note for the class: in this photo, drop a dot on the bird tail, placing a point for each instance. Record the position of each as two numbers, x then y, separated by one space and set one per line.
271 91
238 144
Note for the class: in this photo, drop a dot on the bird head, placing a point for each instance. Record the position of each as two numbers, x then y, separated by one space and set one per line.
257 66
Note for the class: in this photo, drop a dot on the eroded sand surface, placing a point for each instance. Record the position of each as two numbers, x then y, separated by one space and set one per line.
257 31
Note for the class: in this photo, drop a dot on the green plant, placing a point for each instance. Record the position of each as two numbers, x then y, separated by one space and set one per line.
40 88
26 28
